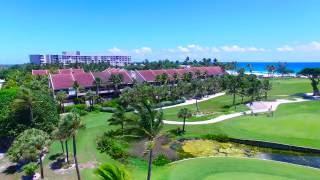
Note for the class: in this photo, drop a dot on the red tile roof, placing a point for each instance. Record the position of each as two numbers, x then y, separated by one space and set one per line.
65 71
126 77
214 70
147 75
61 81
104 76
77 70
84 79
39 72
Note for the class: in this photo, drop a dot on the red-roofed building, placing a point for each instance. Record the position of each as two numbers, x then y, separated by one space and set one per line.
145 75
214 70
85 80
61 81
104 76
39 72
77 71
65 71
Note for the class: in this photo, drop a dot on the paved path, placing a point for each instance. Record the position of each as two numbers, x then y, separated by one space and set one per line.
255 107
193 101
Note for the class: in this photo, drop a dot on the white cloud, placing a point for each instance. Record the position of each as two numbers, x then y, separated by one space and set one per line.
312 46
183 49
285 48
215 50
236 48
143 51
114 50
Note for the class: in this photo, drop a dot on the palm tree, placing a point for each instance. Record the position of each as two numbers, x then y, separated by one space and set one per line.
150 124
90 96
75 126
71 124
108 171
116 80
57 134
164 78
197 74
76 87
175 77
119 118
184 113
61 96
25 101
97 83
266 86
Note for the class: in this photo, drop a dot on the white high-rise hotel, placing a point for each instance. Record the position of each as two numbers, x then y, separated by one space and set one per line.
75 57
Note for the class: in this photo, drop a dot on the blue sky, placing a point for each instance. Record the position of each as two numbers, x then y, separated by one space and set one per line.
243 30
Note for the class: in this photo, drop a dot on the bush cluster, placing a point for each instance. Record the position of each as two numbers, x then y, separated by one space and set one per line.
30 169
161 160
114 148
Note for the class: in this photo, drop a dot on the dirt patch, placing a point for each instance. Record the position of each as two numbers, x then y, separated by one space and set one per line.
162 146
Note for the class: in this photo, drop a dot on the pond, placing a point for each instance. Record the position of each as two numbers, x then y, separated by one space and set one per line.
200 148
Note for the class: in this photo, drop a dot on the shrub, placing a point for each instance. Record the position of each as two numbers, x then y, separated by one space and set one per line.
29 169
108 109
161 160
79 100
111 103
217 137
77 106
111 146
96 107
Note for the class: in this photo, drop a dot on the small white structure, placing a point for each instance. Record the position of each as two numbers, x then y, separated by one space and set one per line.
1 83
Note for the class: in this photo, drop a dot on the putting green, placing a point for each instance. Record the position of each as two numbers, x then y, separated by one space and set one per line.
237 168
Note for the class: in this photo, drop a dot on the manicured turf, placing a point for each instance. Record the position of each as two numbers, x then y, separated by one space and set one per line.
281 89
237 168
295 124
96 124
215 107
291 87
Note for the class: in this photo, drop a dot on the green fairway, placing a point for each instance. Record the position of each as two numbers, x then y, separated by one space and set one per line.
291 87
96 124
237 168
281 89
213 107
295 124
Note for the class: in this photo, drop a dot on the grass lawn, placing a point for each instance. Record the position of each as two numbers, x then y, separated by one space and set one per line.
295 124
237 168
96 124
291 87
214 107
281 89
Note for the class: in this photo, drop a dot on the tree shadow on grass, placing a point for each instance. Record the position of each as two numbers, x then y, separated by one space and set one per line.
58 164
12 169
55 156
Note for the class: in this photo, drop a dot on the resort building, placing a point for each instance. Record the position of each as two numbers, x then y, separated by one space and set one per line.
76 57
64 79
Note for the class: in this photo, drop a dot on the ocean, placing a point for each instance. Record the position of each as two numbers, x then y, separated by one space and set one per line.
261 66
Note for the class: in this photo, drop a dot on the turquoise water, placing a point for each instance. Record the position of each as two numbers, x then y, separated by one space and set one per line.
261 66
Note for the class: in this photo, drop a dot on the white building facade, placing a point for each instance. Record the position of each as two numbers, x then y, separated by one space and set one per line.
75 57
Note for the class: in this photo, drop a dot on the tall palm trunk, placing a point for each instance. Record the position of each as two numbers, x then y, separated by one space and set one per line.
97 90
122 128
149 164
197 105
61 142
41 166
75 155
31 113
67 151
184 124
